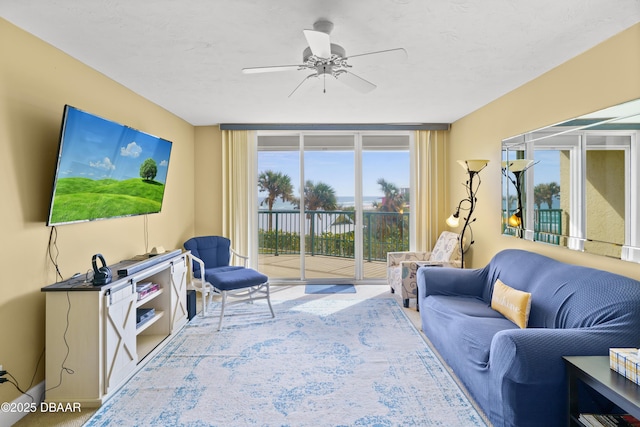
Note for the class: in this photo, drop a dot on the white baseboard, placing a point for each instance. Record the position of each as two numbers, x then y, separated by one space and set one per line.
9 418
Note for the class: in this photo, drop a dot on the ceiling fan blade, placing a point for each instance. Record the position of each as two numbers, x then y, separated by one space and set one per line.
319 42
254 70
356 82
304 80
398 54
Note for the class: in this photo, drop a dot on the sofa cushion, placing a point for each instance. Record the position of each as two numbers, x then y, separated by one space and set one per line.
511 303
472 321
236 279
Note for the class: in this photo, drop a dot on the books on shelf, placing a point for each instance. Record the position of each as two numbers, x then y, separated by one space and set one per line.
143 315
145 289
609 420
141 286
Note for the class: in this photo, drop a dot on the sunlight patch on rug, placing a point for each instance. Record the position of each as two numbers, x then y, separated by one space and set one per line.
322 362
329 289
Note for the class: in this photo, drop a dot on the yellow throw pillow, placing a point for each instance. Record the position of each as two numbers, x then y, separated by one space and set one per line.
511 303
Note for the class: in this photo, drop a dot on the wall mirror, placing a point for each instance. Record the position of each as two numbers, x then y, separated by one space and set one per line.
575 184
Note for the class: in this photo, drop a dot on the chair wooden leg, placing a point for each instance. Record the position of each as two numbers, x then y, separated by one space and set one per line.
204 294
224 300
210 293
269 301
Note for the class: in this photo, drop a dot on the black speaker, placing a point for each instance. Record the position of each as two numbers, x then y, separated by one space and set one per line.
191 304
102 275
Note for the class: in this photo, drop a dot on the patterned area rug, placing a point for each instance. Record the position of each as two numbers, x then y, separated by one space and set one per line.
318 363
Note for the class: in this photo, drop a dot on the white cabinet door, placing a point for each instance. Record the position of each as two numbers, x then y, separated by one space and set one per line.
121 356
178 293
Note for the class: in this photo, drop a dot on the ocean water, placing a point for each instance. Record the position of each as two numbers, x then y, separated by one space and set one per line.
343 201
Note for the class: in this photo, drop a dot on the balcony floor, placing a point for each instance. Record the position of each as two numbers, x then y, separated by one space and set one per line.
318 267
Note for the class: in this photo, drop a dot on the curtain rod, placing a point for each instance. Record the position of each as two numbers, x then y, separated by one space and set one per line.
334 126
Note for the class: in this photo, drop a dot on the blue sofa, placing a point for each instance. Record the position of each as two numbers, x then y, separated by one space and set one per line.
517 376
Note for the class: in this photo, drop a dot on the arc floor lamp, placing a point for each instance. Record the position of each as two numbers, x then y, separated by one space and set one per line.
473 168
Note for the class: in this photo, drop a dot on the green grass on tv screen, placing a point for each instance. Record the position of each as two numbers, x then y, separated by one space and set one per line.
82 199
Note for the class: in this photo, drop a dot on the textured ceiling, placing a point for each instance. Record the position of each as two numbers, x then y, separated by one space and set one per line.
186 56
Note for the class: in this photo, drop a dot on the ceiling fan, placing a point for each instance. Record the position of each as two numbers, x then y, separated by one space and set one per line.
327 59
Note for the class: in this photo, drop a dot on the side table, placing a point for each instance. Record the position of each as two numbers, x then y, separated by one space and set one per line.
595 372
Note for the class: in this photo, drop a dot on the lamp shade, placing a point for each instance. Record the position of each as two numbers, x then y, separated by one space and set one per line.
517 165
453 221
473 165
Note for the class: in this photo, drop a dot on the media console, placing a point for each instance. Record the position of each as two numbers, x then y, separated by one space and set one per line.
142 262
93 342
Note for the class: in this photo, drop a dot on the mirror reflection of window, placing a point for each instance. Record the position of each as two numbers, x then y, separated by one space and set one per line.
547 186
582 191
511 216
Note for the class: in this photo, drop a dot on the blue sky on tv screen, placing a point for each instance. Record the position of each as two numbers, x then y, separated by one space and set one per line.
96 148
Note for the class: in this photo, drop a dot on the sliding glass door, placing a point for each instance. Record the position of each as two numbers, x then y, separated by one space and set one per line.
278 206
386 202
331 205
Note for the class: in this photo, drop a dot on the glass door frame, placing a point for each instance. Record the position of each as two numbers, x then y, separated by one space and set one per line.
358 196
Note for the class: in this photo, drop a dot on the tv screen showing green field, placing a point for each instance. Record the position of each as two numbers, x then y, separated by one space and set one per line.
106 170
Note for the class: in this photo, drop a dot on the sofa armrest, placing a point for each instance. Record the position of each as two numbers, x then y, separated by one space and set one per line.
395 258
451 281
533 353
528 374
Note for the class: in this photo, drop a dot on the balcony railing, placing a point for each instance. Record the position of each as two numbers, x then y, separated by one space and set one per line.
332 233
547 225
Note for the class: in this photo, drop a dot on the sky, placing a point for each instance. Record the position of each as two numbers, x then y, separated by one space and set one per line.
96 148
546 167
336 168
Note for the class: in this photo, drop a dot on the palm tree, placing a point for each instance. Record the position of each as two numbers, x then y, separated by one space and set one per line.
545 193
276 184
319 196
539 192
553 192
394 200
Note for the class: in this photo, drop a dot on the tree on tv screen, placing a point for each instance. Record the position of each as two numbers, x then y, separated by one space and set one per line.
148 169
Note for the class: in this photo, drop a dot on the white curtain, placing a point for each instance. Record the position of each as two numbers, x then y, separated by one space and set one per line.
239 156
431 208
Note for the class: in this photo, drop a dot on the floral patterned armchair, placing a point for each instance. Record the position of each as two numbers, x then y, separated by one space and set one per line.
403 266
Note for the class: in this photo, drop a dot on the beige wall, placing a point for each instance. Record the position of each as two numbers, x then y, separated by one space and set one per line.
208 181
605 75
605 201
36 80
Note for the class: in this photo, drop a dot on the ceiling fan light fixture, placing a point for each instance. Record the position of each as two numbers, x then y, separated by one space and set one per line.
337 54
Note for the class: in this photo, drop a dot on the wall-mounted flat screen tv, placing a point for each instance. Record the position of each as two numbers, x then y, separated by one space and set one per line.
106 170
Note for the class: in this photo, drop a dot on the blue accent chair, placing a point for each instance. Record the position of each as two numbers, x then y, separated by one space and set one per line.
213 255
